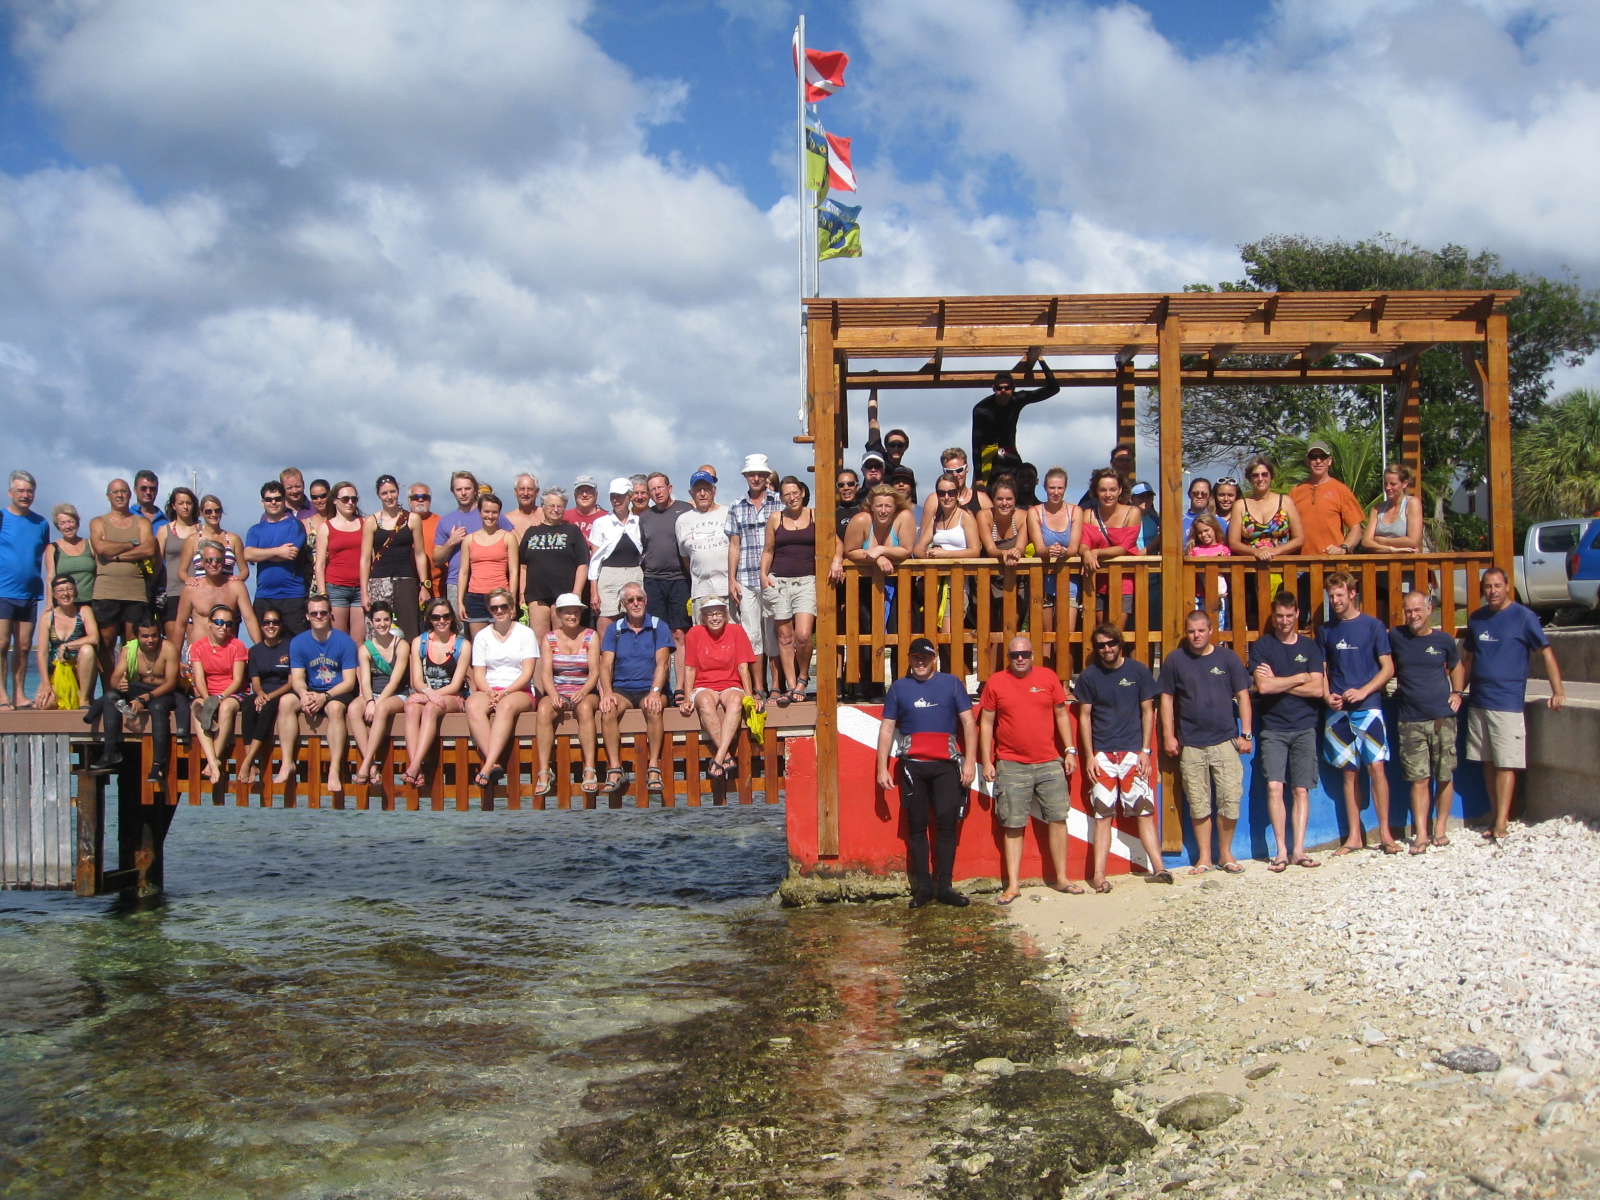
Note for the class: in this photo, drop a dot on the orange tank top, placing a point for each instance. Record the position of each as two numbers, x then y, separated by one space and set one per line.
489 568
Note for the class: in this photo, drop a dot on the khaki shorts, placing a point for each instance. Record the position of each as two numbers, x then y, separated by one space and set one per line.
789 595
611 582
1497 737
1211 769
1428 749
1023 790
756 620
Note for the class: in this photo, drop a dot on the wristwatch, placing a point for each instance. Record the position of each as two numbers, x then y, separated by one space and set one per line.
1073 750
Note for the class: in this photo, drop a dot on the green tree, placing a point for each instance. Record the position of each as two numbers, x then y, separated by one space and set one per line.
1556 459
1553 321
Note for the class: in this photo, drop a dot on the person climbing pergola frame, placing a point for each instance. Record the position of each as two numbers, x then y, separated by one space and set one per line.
1207 328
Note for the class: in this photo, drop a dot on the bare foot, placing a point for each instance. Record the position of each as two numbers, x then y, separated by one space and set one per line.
335 786
211 772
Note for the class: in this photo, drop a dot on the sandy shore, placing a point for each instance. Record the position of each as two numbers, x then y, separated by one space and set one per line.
1319 998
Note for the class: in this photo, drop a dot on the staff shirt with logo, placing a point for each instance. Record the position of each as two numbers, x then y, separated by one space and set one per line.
1500 643
1422 666
1115 698
1352 648
931 706
1284 713
1202 687
1025 715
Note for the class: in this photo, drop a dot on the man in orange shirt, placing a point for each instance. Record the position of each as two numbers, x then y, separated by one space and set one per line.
420 497
1329 511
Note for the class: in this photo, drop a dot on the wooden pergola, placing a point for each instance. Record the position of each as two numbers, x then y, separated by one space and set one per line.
1213 331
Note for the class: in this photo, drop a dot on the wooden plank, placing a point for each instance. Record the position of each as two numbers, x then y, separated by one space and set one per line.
91 805
1173 501
1410 389
641 770
1100 377
742 756
771 775
464 773
825 372
694 782
1497 407
1126 400
315 774
436 777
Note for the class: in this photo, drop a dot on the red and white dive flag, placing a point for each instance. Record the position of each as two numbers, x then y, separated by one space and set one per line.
824 70
841 176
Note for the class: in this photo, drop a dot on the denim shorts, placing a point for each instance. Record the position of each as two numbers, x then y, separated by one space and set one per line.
340 596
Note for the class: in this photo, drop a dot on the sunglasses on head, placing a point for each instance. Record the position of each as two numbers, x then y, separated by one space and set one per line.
1227 481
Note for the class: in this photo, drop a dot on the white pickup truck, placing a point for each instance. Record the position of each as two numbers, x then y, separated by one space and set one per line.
1540 572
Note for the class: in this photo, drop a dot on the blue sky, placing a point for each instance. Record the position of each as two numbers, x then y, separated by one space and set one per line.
558 235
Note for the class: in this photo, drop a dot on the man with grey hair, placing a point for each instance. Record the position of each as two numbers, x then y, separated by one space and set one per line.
1428 678
529 511
666 583
124 555
216 585
23 536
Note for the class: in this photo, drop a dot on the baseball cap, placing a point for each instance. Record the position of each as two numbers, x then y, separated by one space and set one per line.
872 456
922 646
1316 444
1142 489
706 602
622 486
702 477
587 481
905 473
568 600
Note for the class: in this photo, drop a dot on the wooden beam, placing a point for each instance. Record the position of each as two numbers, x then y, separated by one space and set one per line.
1172 505
825 385
1497 406
1127 412
1409 385
1217 353
1126 355
1250 337
1144 376
1406 353
1315 353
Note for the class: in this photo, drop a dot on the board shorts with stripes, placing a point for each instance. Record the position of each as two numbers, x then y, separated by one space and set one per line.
1352 739
1118 784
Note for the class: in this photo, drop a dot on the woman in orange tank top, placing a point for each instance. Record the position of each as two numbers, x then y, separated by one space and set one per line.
489 560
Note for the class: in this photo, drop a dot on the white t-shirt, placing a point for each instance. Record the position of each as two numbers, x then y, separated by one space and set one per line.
502 661
703 540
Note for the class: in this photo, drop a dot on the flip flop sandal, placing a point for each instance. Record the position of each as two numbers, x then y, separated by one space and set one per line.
482 780
1004 900
1233 868
1441 841
1160 877
1390 847
730 767
1419 847
1343 850
1069 889
208 713
799 693
1305 860
781 699
1278 866
1103 888
678 697
715 769
1199 870
653 777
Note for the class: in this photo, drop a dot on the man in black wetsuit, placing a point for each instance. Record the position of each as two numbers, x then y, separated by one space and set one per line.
994 421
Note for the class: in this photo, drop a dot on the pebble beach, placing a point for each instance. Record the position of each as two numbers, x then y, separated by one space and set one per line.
1323 1018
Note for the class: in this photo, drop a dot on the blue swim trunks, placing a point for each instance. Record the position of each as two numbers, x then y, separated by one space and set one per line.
1353 739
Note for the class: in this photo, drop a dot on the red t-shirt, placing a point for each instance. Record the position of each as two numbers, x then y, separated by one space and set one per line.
716 660
217 662
585 524
1025 714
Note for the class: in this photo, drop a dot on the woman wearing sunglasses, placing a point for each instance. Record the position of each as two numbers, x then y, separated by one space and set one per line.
504 659
217 664
394 560
439 664
268 670
211 530
339 558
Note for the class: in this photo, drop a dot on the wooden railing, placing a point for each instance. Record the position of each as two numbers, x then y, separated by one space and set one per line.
1238 591
972 629
448 783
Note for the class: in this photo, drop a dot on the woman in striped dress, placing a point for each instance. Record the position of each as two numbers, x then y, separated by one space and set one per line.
569 674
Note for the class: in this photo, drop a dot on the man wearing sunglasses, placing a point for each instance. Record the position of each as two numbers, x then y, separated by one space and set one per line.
994 419
1024 724
923 713
276 547
1117 719
216 585
1330 514
322 678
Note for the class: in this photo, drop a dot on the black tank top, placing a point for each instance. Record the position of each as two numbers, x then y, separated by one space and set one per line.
794 551
395 559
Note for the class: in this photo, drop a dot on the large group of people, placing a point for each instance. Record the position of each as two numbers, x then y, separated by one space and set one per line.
354 623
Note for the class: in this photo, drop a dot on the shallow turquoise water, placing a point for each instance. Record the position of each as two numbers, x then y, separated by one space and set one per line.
335 1004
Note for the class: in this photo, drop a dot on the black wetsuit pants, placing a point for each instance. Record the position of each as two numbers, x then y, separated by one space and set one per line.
931 788
160 709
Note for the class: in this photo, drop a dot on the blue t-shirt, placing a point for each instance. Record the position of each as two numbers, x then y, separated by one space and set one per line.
1203 688
22 543
635 665
323 662
1115 697
932 707
470 521
1422 666
1500 643
1352 648
278 579
1284 713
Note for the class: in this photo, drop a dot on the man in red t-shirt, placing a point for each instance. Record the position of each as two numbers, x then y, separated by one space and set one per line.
717 657
1021 715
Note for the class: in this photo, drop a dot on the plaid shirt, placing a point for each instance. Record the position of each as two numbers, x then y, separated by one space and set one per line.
749 523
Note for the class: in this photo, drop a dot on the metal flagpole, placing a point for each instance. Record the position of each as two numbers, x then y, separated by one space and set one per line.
804 209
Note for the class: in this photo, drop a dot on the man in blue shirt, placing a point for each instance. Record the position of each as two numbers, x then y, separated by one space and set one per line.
322 678
923 714
1287 673
275 545
23 536
1356 648
1427 676
1500 637
634 654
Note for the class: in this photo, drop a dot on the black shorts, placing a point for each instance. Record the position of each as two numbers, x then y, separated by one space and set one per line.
169 607
291 608
112 613
668 600
634 696
476 605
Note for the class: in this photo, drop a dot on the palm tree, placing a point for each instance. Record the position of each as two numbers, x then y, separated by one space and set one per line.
1555 462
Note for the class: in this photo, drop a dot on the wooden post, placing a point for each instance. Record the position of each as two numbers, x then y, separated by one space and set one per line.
825 385
91 802
1408 383
1174 603
1127 415
141 836
1497 406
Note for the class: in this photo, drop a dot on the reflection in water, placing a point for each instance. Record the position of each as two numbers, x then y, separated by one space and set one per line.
352 1003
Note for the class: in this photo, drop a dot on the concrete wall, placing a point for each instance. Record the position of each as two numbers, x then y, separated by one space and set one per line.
1577 654
1563 776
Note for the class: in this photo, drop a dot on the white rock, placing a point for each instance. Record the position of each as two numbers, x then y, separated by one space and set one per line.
1371 1036
995 1066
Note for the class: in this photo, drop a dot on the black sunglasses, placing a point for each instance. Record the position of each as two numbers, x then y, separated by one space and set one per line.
439 616
947 492
265 621
1105 645
1022 654
420 497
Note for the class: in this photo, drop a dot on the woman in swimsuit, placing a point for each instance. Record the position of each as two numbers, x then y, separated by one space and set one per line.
1005 536
69 627
569 670
172 539
1110 531
949 531
210 527
1395 526
439 661
381 677
1265 524
1056 530
881 537
394 561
